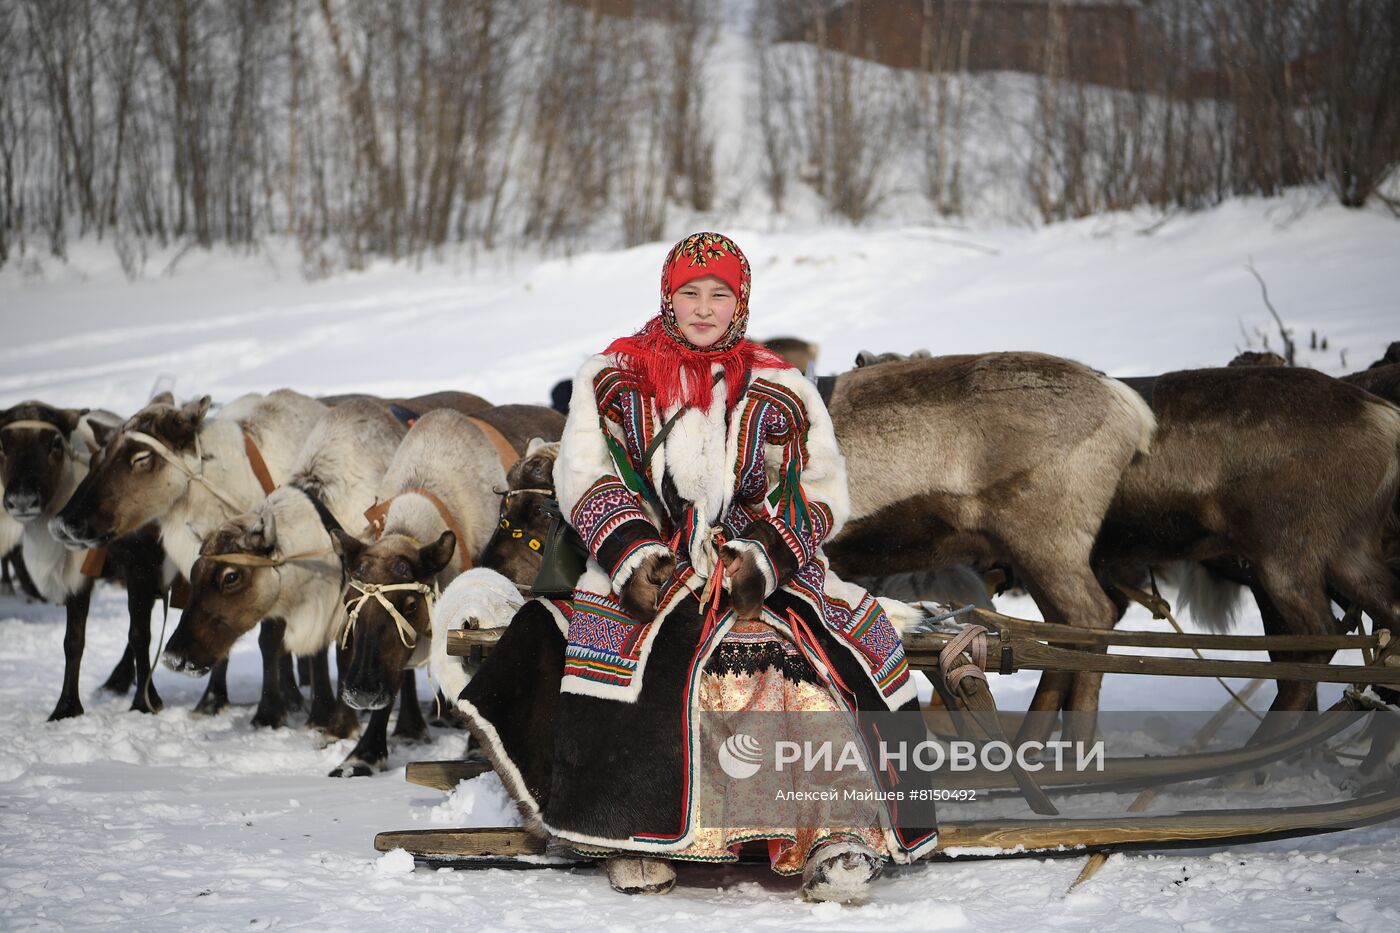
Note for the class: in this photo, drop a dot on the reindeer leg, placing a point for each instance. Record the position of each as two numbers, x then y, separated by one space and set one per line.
327 712
26 584
443 717
1365 579
1290 605
215 697
305 677
142 586
411 727
1066 591
272 710
120 680
7 588
372 751
291 692
74 639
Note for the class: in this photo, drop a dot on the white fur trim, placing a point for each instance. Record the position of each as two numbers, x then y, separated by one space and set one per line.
696 455
510 775
760 559
483 597
634 560
583 449
902 614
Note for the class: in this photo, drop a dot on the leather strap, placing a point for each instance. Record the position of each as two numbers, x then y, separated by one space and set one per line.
508 454
255 460
93 562
376 513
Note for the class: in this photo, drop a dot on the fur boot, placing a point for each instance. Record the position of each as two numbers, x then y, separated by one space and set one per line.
840 872
631 875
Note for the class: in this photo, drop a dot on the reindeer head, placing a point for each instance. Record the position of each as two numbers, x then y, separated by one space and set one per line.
399 572
868 358
34 453
516 546
230 592
130 485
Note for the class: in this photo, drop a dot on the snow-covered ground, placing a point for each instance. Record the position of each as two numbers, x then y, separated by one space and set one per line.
173 822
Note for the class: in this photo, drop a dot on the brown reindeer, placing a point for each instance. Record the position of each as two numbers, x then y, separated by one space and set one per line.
1282 479
997 459
515 547
800 353
441 493
43 458
1382 380
464 402
188 473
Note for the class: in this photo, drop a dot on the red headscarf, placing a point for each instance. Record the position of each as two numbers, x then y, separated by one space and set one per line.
673 368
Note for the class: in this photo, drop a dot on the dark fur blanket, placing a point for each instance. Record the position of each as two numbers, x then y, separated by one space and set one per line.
615 774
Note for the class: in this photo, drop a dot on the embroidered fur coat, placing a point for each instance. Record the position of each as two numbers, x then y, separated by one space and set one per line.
586 714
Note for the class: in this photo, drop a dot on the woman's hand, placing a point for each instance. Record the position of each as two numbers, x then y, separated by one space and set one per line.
639 594
746 583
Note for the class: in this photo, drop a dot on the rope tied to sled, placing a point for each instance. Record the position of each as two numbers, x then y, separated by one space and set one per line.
407 634
965 655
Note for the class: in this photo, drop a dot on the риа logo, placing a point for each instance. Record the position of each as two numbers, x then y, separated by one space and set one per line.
740 756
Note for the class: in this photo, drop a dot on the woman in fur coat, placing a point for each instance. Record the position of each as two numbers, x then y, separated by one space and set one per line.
703 474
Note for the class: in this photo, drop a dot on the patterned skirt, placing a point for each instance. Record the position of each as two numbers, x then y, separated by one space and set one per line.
756 669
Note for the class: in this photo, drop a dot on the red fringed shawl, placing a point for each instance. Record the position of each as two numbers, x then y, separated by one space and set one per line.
678 374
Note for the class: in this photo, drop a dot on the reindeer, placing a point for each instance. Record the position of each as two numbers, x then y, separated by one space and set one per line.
464 402
801 354
277 561
438 507
43 457
996 459
188 473
515 547
1278 478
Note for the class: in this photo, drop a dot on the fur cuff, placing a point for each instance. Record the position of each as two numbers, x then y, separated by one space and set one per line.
639 554
761 561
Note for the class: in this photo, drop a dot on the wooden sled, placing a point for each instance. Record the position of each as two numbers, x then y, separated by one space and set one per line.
1008 645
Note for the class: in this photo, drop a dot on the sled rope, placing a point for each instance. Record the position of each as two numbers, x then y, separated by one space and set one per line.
160 646
962 666
1161 609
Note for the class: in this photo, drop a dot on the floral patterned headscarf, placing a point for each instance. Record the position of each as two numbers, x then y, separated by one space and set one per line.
697 256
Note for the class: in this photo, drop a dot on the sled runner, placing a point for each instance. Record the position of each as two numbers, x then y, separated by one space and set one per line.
487 847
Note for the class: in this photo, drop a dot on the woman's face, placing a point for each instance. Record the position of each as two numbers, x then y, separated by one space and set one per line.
704 307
